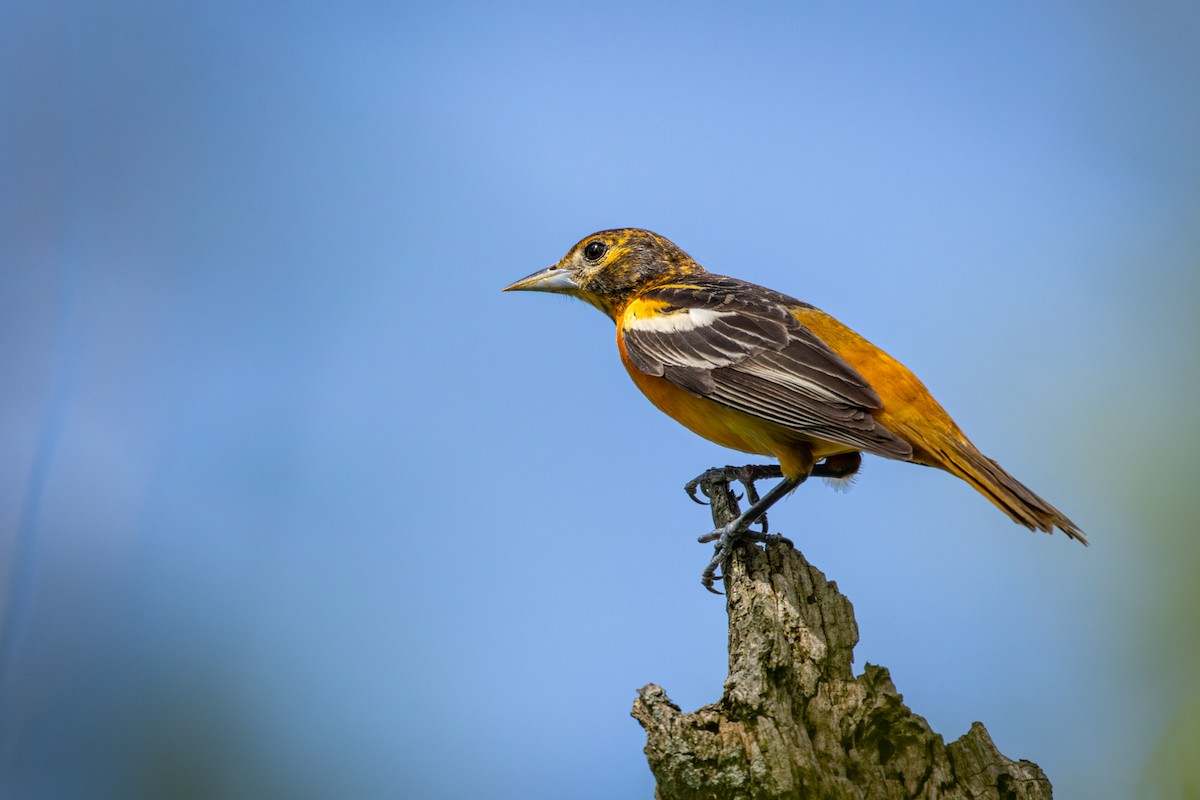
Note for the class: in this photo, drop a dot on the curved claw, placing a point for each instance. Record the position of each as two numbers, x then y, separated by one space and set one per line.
725 475
725 549
707 582
725 537
709 575
690 487
751 489
700 482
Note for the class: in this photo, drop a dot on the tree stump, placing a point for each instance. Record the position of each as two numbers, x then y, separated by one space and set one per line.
794 721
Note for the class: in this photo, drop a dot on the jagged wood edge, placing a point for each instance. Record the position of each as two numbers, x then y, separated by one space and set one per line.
794 721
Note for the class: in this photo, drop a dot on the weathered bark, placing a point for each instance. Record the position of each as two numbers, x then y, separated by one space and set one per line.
794 721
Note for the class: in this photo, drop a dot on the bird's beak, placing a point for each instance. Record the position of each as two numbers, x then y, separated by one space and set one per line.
550 279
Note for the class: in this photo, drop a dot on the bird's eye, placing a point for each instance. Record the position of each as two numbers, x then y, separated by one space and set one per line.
593 250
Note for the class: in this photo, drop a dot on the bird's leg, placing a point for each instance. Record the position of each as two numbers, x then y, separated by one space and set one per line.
752 498
840 466
730 534
721 477
758 508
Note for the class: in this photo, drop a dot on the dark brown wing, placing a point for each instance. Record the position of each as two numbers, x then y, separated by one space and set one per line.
738 344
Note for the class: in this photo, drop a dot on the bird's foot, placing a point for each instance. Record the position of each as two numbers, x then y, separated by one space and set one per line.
717 480
726 537
723 476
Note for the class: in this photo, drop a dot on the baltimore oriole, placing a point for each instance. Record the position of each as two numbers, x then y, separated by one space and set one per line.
758 371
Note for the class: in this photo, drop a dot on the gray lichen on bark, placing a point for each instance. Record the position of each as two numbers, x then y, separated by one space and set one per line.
794 721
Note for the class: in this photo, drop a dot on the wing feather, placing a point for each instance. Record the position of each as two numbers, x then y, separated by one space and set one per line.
739 345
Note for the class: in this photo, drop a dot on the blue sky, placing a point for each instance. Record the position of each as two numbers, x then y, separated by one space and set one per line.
293 502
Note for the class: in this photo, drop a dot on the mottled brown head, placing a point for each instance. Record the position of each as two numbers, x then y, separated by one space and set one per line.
610 267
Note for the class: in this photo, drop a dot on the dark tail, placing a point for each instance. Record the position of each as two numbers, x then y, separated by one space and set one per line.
1008 494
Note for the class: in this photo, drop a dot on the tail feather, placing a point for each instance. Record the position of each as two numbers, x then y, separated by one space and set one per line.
1008 494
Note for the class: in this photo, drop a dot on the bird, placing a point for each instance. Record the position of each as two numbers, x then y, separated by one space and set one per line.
758 371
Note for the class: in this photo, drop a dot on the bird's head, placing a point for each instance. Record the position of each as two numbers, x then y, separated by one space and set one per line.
609 268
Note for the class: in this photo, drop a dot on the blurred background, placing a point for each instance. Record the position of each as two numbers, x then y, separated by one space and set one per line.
294 503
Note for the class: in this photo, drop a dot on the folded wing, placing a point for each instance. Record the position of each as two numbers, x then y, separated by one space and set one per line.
739 345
